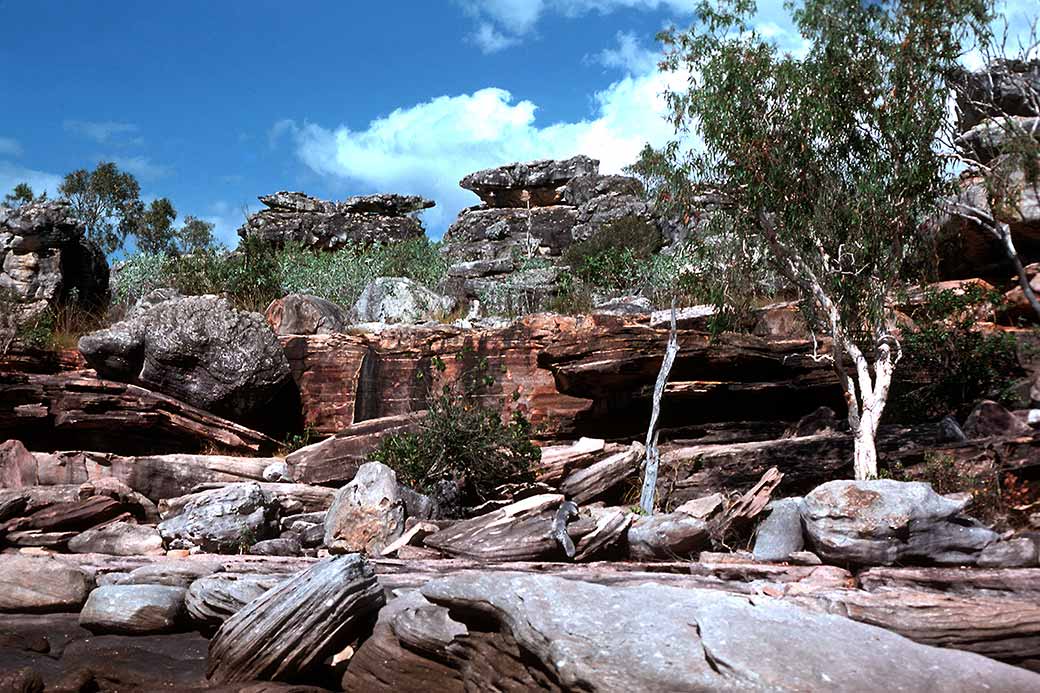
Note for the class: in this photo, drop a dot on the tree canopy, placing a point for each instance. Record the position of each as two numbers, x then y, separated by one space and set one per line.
820 166
107 200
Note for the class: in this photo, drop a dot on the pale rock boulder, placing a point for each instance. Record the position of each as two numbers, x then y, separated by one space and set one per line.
367 514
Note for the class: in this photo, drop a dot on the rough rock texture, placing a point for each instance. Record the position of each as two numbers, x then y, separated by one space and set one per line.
392 300
293 217
1007 85
18 466
213 599
46 260
666 535
367 514
156 477
33 584
882 522
548 633
780 534
293 627
221 520
533 210
572 376
989 418
133 609
71 411
119 539
198 349
304 314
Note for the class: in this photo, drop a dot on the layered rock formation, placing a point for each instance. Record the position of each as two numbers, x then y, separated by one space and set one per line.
533 210
293 217
45 261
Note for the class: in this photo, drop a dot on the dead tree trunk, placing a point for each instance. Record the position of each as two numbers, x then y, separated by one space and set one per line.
646 498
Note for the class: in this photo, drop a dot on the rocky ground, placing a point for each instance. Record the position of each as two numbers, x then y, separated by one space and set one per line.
158 532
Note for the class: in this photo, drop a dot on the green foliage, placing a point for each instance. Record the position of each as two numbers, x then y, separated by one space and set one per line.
612 258
256 273
952 364
195 236
155 230
22 195
461 439
107 200
820 167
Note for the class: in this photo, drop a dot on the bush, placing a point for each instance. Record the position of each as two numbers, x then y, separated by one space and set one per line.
610 259
462 440
952 364
256 273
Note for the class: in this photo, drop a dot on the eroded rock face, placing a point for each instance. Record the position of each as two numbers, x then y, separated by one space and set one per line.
293 217
305 314
659 638
198 349
504 186
882 522
118 539
1003 87
35 584
392 300
221 520
44 256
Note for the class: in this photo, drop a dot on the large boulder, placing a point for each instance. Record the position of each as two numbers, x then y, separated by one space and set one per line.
517 631
198 349
305 314
368 513
293 217
399 300
118 539
38 584
133 609
882 522
228 519
1004 87
213 599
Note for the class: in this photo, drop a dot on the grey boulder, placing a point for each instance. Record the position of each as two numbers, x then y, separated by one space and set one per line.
780 534
118 539
882 522
213 599
666 536
221 520
368 513
534 182
198 349
989 418
40 584
399 300
133 609
305 314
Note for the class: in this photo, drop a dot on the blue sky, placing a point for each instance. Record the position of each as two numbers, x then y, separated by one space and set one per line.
214 103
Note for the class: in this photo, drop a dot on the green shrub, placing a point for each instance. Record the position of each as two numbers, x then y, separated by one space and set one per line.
948 364
610 258
461 439
256 273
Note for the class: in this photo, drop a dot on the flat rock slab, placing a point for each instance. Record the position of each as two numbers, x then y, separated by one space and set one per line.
664 638
133 609
34 584
119 539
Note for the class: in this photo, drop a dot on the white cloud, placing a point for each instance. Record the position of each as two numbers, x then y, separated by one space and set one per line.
491 40
629 55
141 166
10 147
427 147
103 131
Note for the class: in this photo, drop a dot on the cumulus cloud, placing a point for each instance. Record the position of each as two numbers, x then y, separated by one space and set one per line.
141 166
103 132
427 147
629 55
491 40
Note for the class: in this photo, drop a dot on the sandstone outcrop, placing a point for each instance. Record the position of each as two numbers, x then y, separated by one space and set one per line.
293 217
304 314
533 210
198 349
45 261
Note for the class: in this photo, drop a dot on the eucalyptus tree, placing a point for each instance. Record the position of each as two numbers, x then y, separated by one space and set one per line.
822 164
107 201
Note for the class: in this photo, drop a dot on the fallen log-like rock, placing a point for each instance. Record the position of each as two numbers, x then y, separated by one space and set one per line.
213 599
289 629
521 531
70 411
592 482
133 609
156 477
559 461
292 499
